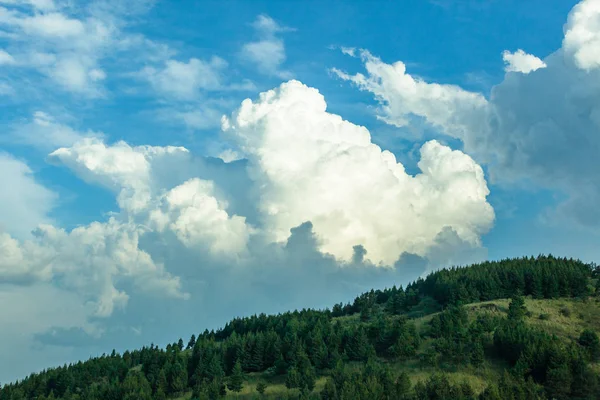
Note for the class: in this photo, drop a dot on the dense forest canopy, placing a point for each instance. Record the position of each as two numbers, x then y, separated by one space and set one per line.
363 349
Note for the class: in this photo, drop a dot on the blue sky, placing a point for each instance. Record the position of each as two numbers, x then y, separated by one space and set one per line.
145 199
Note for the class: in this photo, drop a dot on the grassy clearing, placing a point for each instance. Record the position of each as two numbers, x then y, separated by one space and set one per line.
276 388
565 318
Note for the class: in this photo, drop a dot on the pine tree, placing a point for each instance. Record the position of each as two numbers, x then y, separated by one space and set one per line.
359 348
216 389
214 368
292 379
236 381
349 391
177 377
477 354
395 304
317 349
329 391
136 387
257 354
490 393
261 386
160 395
192 342
403 385
161 382
558 382
516 308
589 340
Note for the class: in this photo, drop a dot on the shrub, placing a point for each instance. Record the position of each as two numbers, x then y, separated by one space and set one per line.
590 341
260 387
565 311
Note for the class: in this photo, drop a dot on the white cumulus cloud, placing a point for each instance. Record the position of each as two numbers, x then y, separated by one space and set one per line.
199 219
582 34
541 127
314 166
124 169
519 61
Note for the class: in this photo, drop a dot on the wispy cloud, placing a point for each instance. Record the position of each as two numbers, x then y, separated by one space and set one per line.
67 43
268 52
45 132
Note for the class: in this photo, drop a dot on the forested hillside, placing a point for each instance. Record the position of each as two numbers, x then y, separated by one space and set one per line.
514 329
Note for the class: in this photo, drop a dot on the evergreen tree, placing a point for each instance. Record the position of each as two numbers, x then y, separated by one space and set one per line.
136 387
491 393
358 347
559 382
516 308
395 304
349 391
261 386
192 342
216 389
160 395
161 382
590 342
177 377
329 391
292 379
403 385
236 381
477 354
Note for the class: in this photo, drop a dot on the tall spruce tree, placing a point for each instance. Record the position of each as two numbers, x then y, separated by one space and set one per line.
516 308
236 380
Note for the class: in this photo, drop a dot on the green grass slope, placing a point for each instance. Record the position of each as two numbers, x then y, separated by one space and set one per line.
564 317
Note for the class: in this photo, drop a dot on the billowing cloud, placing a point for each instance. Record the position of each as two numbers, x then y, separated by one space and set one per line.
541 127
519 61
582 35
314 166
124 169
268 52
89 260
198 219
